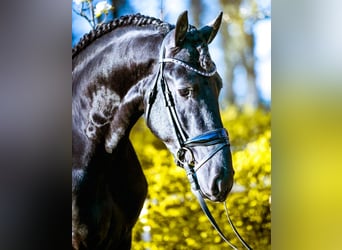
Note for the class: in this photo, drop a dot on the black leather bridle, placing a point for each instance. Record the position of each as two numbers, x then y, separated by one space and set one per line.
217 137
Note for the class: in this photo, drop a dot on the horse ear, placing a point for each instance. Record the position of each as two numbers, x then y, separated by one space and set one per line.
181 28
210 30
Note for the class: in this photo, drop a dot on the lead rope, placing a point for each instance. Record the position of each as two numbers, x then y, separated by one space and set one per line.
234 229
191 174
196 191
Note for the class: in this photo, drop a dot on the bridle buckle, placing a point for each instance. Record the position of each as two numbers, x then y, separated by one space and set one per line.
181 157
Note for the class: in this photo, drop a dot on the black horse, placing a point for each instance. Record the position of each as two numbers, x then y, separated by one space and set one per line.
132 66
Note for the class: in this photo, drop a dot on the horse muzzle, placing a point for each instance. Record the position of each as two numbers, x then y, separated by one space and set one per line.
219 188
211 170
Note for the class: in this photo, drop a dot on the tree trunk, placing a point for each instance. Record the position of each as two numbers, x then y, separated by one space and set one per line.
196 10
238 48
228 94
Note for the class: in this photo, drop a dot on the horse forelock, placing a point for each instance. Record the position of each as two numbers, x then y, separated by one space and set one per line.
194 50
128 20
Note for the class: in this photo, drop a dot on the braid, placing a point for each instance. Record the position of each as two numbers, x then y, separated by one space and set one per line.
136 19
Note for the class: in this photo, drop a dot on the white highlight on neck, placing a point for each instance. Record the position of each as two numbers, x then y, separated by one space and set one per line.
103 104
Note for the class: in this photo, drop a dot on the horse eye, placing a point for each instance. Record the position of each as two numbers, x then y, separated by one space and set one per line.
185 92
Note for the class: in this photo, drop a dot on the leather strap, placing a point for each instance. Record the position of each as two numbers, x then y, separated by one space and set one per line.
187 66
196 191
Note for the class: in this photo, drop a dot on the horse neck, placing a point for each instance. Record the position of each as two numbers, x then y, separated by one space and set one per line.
119 59
104 76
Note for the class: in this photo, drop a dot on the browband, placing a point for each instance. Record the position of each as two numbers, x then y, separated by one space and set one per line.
187 66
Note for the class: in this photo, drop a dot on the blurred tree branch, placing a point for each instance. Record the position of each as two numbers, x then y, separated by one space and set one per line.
86 9
238 44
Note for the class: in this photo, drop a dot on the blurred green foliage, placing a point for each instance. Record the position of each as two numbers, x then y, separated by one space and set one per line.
172 218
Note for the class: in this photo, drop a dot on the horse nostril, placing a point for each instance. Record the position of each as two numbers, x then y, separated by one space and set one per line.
217 187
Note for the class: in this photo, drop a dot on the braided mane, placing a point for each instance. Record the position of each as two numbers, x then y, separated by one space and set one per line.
135 19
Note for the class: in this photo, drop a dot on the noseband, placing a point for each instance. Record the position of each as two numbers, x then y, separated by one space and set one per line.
217 137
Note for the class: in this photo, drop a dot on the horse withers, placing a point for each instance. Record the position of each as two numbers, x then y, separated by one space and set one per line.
133 66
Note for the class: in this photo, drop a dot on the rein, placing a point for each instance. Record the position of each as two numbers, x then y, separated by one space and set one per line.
217 137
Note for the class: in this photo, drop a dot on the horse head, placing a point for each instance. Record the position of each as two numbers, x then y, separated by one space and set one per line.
182 107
